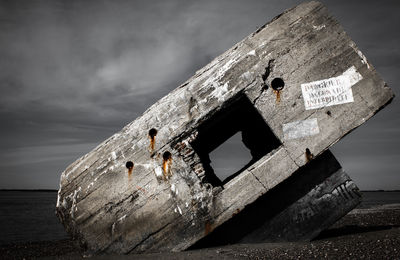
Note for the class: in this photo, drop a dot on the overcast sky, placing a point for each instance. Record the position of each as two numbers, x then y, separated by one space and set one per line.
72 73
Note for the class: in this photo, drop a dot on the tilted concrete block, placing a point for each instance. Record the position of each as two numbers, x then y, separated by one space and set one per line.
293 88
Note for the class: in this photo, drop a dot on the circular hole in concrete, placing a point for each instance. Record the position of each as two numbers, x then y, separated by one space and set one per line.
166 156
152 132
129 164
277 84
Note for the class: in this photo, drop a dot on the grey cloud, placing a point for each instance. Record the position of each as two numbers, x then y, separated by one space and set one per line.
74 72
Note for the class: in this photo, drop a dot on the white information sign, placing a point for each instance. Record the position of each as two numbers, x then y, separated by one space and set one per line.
332 91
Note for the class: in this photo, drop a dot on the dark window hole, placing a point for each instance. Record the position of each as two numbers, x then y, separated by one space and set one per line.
231 140
277 84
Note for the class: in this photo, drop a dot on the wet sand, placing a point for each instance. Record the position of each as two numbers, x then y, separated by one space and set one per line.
371 233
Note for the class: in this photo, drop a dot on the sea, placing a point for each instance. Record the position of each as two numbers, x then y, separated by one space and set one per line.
29 216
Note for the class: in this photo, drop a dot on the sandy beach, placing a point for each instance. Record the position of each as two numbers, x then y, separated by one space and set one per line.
364 233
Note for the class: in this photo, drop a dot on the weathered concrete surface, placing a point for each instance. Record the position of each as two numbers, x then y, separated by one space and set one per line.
297 209
169 198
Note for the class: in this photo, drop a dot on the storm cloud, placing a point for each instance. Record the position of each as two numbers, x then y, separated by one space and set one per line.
72 73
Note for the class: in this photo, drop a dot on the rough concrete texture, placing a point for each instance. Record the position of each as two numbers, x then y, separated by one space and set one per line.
297 209
150 186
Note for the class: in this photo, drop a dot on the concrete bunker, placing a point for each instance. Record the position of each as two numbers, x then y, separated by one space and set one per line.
290 189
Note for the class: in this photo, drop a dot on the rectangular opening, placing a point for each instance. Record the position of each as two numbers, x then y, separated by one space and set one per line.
230 157
250 138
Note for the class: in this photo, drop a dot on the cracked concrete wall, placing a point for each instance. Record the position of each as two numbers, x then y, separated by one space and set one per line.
297 209
160 202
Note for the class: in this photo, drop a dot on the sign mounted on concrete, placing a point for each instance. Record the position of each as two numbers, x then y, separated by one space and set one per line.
332 91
